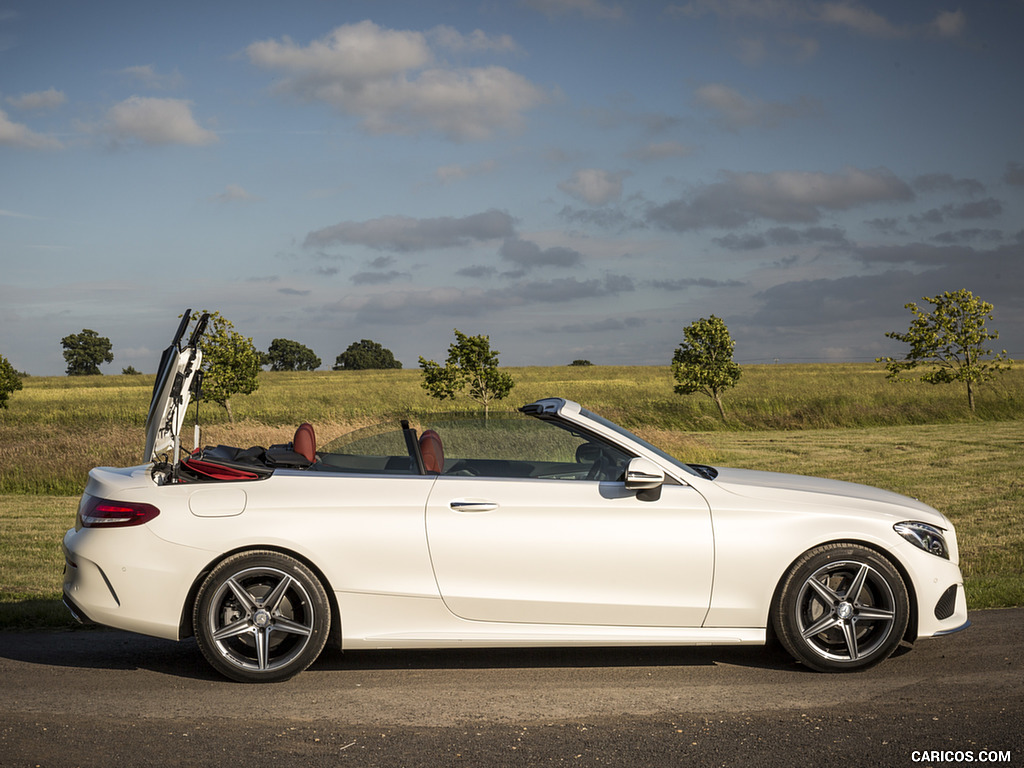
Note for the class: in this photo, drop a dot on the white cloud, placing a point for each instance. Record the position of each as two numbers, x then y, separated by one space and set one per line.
733 110
527 254
661 150
406 234
150 78
847 14
21 136
784 196
350 56
475 42
778 10
416 307
234 193
447 174
388 79
594 186
949 23
39 100
595 9
857 18
156 122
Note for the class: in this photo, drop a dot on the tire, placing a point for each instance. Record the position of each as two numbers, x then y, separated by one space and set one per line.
840 608
261 617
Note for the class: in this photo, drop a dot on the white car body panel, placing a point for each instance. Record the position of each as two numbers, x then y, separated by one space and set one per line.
554 552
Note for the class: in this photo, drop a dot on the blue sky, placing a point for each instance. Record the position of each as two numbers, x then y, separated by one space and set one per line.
574 178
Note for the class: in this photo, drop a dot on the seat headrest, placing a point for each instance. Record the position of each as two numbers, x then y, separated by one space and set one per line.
432 452
305 442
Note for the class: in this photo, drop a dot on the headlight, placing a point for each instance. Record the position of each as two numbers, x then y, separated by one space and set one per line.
927 537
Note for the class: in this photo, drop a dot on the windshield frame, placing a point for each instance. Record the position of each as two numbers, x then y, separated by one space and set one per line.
627 435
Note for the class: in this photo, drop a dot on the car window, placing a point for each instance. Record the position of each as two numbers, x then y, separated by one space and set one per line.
519 446
374 449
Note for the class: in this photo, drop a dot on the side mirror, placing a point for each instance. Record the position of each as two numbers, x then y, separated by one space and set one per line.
644 475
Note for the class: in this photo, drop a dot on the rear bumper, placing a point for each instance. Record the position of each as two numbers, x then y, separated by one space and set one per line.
142 585
75 610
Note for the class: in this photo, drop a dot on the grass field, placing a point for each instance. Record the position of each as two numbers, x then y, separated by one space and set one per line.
840 421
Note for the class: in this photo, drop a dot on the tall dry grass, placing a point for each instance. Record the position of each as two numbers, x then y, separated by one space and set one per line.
57 428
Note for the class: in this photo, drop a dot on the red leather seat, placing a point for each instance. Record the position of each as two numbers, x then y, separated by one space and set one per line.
432 452
305 442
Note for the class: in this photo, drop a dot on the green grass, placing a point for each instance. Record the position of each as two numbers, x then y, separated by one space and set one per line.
842 421
31 560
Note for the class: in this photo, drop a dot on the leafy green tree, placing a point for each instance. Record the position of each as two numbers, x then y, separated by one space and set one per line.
84 353
10 381
288 355
952 340
703 362
231 363
471 363
130 371
580 363
365 355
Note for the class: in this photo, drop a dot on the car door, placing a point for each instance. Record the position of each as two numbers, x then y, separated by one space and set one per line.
570 551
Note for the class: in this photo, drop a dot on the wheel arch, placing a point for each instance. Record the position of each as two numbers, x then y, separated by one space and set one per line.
186 628
910 634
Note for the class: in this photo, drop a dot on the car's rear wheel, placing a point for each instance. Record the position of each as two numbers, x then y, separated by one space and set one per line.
841 607
261 617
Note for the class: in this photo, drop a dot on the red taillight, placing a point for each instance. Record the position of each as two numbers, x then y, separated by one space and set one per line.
104 513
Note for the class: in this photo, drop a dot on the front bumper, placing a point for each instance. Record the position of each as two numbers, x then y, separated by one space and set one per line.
941 600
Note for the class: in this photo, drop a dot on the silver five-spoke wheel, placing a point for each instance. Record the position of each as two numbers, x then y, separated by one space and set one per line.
841 607
261 617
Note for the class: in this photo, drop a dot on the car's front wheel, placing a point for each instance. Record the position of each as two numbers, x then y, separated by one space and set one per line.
261 617
841 607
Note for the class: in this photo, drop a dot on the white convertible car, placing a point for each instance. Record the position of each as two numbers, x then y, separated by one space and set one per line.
549 527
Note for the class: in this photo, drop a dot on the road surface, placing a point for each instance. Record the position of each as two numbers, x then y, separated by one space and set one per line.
105 698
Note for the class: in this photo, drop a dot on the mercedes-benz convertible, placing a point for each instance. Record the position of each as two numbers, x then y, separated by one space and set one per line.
550 526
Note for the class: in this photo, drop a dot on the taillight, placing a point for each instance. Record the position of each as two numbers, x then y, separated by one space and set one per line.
104 513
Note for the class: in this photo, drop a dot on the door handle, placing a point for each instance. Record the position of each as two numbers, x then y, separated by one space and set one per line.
467 505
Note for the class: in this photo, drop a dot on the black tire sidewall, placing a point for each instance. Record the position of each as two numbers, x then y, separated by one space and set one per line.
784 605
255 559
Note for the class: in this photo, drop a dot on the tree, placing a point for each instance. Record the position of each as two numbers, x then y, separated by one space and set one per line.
10 381
130 371
365 355
84 353
580 363
952 339
231 363
703 362
288 355
471 363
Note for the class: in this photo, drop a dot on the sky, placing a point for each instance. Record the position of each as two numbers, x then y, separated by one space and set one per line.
573 178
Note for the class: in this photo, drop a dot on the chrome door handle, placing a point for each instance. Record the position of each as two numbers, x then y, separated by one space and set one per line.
465 505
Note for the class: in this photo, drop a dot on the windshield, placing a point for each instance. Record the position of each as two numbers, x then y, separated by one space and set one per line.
638 440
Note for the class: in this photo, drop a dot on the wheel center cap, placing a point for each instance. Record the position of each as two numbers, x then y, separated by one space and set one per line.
261 618
844 611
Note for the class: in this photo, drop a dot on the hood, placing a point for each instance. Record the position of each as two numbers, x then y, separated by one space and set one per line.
774 485
172 391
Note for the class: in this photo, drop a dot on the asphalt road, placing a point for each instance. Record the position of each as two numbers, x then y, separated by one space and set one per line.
103 698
